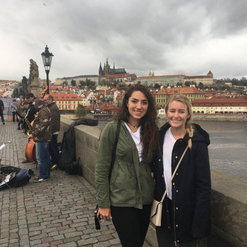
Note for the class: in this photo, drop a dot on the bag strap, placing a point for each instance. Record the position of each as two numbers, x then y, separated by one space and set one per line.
169 184
113 156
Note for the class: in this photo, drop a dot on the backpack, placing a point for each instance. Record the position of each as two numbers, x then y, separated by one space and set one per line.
14 176
74 168
68 155
21 178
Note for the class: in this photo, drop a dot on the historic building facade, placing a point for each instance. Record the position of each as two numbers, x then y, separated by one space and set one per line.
204 79
221 105
67 101
162 80
162 96
77 79
174 80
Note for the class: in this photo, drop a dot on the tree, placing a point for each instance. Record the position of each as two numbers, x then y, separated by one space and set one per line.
157 86
187 83
65 83
73 83
80 111
201 86
82 83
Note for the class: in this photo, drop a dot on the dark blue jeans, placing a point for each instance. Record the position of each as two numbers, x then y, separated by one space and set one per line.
43 159
54 151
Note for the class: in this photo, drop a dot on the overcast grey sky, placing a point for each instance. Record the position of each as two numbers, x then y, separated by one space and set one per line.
166 36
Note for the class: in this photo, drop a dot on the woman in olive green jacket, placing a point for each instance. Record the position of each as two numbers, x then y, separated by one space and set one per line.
127 197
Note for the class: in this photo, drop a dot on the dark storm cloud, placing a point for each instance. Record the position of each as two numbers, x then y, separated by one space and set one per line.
172 36
228 17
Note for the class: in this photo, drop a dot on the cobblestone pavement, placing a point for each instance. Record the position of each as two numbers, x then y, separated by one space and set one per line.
58 212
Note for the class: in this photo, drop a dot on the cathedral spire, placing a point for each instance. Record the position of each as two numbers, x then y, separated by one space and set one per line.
100 69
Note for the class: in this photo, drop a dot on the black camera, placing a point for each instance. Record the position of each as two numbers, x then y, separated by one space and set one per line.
96 218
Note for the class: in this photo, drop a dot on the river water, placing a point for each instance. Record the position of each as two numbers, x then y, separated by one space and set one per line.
228 148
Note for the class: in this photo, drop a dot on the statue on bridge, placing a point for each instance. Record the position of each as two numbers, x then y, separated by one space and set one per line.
34 78
34 70
24 85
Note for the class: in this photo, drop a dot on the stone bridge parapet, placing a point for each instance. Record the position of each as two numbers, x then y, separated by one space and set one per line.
229 197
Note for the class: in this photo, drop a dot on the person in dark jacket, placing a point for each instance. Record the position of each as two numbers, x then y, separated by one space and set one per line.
19 111
41 133
35 104
1 111
186 209
55 127
13 108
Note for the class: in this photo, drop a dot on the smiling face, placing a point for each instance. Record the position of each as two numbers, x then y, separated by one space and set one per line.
137 105
177 114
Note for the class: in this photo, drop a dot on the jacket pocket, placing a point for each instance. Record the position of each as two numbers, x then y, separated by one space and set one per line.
130 170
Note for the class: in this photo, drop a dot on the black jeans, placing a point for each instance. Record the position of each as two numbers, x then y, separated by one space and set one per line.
13 114
54 151
1 115
131 224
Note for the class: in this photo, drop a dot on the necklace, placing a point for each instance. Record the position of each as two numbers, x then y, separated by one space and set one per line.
135 127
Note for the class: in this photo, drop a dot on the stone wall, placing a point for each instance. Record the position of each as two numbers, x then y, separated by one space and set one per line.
229 208
229 199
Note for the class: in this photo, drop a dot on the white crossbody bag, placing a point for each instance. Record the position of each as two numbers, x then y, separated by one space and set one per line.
156 211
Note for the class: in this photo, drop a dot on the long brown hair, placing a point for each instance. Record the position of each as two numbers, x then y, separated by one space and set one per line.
184 100
149 128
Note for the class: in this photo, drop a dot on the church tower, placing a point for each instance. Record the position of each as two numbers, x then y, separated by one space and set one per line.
101 72
210 74
106 67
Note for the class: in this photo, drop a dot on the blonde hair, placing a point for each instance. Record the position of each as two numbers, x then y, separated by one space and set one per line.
184 100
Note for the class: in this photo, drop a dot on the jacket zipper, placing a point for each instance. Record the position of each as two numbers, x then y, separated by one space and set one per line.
173 207
174 195
174 198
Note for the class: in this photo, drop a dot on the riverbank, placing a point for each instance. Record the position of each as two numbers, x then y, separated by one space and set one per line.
196 116
217 117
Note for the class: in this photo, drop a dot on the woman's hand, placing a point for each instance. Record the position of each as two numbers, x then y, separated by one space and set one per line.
104 213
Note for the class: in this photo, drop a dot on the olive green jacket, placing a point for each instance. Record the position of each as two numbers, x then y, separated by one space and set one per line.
131 184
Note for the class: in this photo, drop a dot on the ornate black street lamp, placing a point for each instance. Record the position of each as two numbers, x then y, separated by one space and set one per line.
47 58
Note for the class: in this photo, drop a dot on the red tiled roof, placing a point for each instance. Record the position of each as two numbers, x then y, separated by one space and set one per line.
181 90
105 107
65 97
197 76
121 75
88 107
221 101
8 81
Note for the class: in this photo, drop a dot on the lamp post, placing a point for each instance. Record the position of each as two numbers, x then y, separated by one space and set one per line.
47 58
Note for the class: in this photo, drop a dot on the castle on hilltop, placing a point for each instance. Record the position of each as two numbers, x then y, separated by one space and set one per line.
108 71
108 74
